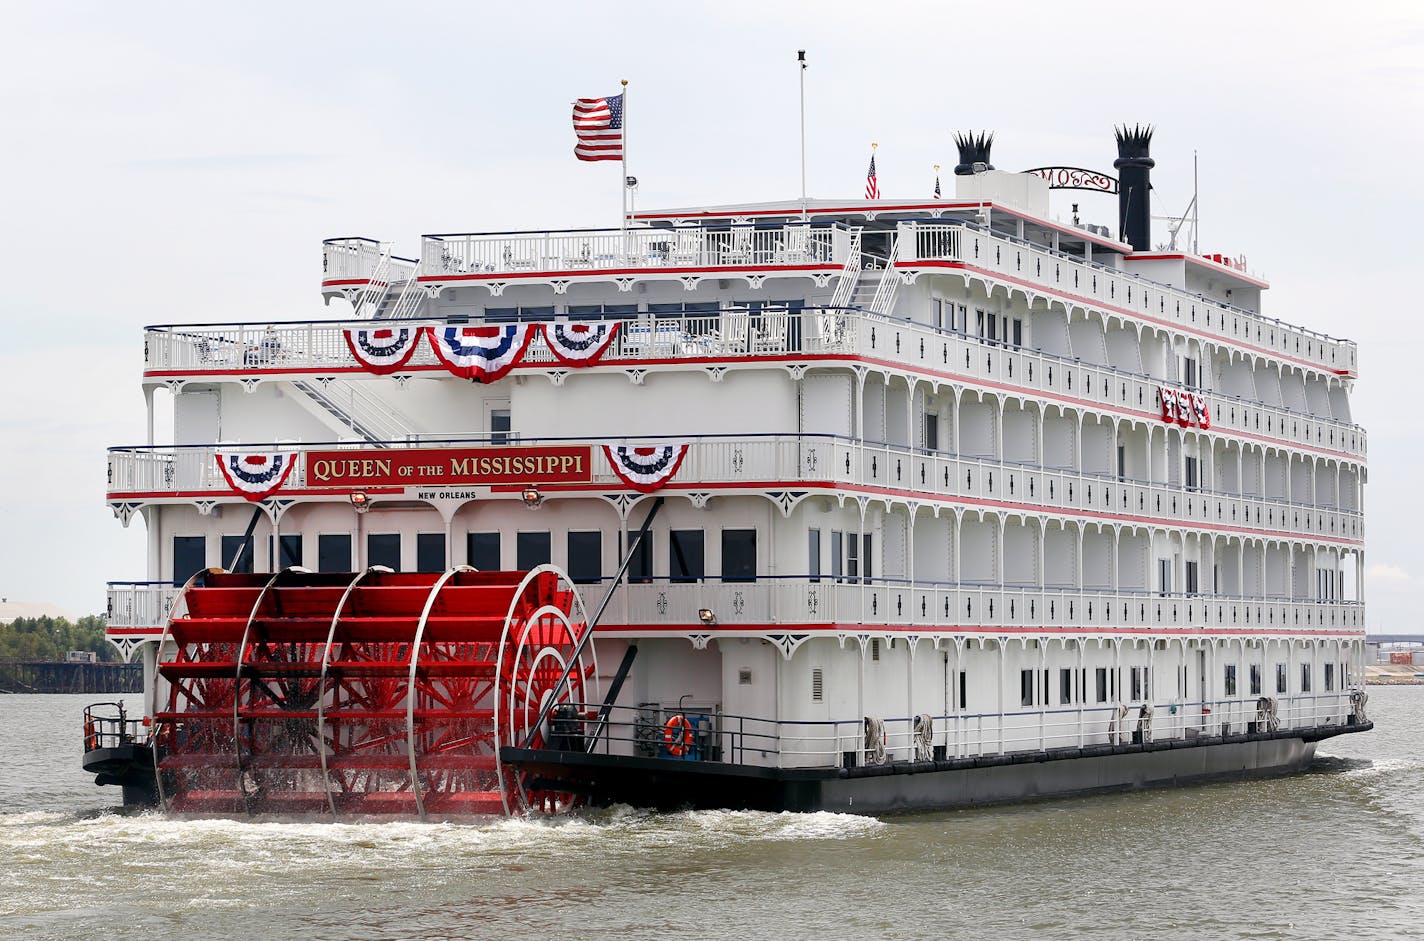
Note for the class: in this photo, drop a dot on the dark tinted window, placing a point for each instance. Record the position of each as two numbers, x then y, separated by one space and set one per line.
531 549
333 552
685 555
231 546
430 552
482 551
190 555
585 557
383 549
289 548
640 567
738 555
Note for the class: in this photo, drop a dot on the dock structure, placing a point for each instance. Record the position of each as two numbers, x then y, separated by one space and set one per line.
54 676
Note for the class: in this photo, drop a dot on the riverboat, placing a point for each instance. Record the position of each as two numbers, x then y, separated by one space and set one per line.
865 505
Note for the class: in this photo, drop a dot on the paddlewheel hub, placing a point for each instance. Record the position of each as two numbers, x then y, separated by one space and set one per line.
378 693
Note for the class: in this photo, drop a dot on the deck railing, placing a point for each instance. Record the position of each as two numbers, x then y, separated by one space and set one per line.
356 259
206 349
971 244
599 249
779 461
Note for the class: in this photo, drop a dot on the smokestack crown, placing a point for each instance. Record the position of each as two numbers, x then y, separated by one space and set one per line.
1133 144
973 149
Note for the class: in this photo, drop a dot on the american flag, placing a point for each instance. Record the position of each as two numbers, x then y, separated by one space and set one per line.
598 122
872 182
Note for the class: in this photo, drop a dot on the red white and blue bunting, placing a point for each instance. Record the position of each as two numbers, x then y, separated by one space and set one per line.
1183 407
580 344
482 354
256 476
645 469
383 350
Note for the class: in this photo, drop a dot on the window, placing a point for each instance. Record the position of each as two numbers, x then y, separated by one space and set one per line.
852 560
384 549
1141 683
1017 332
739 561
585 559
530 550
482 551
1189 372
813 554
333 552
818 685
865 556
1329 677
1280 677
290 548
1122 462
1231 679
499 426
837 568
686 555
190 556
1025 687
231 560
1305 677
1102 684
1164 576
961 319
1191 578
507 314
937 313
963 690
931 431
430 552
1255 679
640 566
1065 687
602 311
1189 473
699 307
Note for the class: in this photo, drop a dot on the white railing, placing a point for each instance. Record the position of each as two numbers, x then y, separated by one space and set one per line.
593 249
359 260
140 604
354 406
786 460
973 245
313 346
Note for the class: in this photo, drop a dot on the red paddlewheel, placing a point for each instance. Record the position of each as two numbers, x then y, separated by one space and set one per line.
377 693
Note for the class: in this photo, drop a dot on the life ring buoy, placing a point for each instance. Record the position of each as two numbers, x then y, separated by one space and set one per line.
677 735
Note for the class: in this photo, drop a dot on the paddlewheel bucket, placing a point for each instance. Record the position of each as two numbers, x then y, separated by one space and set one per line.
371 694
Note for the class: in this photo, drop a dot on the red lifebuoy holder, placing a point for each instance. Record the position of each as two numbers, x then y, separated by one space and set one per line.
677 735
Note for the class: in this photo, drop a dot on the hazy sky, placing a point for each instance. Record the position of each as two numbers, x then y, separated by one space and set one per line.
178 163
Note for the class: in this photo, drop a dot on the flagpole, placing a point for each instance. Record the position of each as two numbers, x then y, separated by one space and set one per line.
623 177
801 58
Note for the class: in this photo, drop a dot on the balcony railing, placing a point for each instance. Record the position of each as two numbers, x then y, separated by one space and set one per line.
358 259
970 244
657 604
780 462
315 346
590 250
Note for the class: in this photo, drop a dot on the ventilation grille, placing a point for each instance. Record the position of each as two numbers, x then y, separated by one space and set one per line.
818 685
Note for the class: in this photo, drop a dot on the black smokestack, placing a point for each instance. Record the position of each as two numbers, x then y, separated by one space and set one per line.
1134 189
973 149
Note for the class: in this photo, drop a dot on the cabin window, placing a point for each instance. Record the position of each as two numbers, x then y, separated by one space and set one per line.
1025 687
931 431
698 307
585 557
739 562
1102 684
865 555
1065 687
1191 578
430 552
531 549
1164 576
1280 677
1189 372
289 546
961 319
1141 680
1329 677
602 311
236 553
813 554
640 566
837 565
1305 677
744 677
1189 473
508 314
333 552
1122 462
852 562
499 426
190 556
482 551
818 688
1017 332
1230 679
685 555
963 690
384 549
1255 679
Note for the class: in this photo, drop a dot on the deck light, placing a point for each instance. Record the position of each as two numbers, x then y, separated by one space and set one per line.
360 501
531 497
707 616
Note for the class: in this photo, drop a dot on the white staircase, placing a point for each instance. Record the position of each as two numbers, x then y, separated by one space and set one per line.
349 407
850 273
377 287
875 283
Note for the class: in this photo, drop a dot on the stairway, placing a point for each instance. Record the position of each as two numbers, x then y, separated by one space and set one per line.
347 406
